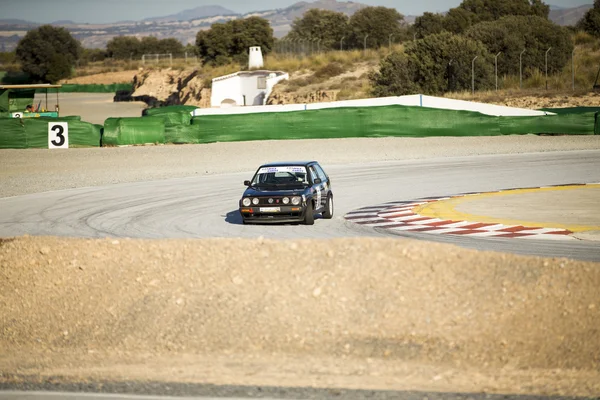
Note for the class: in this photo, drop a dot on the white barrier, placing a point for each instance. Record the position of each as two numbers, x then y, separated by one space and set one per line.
416 100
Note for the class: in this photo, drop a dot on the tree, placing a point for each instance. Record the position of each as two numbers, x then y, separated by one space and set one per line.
249 32
123 47
170 45
395 77
225 42
490 10
535 35
48 53
328 26
214 44
458 20
590 22
377 22
433 65
429 24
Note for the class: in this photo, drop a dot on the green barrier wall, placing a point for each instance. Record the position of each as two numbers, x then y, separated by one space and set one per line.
174 125
597 123
131 131
345 122
27 133
382 121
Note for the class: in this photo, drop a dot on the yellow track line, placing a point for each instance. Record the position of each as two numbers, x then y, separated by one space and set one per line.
446 209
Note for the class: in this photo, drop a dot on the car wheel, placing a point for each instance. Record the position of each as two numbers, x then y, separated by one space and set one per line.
309 216
328 213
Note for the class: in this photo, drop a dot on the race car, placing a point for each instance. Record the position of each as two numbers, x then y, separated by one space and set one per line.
287 192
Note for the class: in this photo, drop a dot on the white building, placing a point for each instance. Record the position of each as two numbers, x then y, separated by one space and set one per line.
245 88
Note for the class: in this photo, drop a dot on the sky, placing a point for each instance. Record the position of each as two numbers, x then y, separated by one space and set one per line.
104 11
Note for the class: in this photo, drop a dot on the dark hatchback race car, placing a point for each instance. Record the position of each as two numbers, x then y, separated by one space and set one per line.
287 192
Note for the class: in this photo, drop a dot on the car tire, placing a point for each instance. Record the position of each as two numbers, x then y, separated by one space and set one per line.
328 213
309 215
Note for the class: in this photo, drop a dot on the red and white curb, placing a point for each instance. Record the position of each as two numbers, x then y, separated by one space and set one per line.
400 216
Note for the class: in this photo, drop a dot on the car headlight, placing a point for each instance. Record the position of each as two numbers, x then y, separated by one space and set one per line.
246 202
286 200
255 201
296 200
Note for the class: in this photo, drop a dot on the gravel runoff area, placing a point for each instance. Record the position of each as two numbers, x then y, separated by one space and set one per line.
37 170
379 314
361 313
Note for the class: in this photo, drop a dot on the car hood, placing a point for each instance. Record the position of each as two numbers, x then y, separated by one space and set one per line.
270 192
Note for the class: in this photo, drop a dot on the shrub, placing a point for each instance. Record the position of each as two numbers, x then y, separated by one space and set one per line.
329 70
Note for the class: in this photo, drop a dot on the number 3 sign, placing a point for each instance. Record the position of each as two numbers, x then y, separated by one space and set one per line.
58 135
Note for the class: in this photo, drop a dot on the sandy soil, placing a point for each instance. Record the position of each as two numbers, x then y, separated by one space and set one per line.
105 78
369 313
540 99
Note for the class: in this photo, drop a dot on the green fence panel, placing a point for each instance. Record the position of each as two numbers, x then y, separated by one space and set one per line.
12 134
132 131
174 118
169 109
561 124
597 123
182 134
16 133
572 110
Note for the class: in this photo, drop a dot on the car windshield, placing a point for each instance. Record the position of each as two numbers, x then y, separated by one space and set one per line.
280 176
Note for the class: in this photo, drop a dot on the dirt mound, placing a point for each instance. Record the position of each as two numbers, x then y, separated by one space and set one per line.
171 86
74 303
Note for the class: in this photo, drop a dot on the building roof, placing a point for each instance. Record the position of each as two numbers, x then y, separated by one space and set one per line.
258 72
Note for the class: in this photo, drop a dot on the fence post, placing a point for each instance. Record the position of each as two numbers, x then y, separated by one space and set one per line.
496 65
473 75
547 51
390 39
573 68
342 43
366 43
521 69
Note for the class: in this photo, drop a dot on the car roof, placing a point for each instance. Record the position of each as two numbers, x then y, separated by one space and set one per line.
288 163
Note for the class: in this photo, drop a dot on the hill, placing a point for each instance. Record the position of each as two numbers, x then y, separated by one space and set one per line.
568 16
194 13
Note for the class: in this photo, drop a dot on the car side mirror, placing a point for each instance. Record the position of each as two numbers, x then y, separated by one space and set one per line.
317 181
246 183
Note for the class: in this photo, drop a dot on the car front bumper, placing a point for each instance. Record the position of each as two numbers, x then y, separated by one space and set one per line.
273 214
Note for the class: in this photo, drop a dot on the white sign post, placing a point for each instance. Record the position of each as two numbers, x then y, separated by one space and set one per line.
58 135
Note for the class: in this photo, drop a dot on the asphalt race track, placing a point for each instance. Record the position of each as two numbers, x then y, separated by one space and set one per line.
206 206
